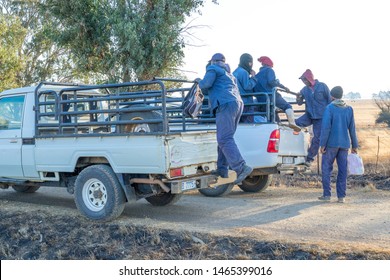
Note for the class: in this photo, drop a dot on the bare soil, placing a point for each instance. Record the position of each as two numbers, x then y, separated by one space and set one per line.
57 232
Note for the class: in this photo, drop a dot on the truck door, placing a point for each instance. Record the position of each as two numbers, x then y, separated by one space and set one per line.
11 115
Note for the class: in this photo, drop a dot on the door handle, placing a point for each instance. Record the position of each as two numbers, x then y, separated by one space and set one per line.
13 141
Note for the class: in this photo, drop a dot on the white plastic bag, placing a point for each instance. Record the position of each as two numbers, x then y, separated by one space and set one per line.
355 165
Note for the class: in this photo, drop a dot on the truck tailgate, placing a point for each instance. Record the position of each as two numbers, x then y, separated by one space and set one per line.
292 144
252 140
192 148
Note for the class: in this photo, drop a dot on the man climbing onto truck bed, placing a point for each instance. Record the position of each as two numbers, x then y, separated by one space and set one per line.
227 105
317 97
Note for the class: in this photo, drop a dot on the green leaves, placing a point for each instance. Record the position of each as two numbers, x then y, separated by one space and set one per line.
123 40
99 40
11 61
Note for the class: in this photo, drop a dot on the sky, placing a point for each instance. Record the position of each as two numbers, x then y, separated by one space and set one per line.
343 42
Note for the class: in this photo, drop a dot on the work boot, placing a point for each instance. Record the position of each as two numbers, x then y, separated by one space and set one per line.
245 171
308 163
341 200
291 120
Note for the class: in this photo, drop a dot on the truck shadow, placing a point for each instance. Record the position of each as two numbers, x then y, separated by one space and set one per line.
190 212
217 216
277 213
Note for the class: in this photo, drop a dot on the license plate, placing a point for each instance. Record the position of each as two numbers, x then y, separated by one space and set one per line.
188 185
288 160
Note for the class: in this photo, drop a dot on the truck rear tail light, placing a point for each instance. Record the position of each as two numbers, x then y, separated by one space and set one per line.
273 142
177 172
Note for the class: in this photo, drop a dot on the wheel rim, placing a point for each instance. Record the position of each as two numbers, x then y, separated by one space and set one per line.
94 195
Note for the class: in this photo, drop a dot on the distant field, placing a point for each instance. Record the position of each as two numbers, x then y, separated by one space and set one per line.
374 139
365 111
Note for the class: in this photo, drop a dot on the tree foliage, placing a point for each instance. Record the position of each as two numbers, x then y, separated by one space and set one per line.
382 100
123 40
95 40
11 40
353 95
42 59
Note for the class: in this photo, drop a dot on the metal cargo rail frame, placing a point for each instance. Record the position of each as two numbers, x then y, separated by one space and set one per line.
140 98
137 98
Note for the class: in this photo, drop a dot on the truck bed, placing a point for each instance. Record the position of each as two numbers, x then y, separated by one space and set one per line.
145 154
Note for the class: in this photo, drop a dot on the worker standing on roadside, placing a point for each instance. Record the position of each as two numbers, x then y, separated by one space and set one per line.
337 134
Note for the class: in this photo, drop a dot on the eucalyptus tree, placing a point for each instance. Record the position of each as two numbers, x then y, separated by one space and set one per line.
41 58
95 40
123 40
11 40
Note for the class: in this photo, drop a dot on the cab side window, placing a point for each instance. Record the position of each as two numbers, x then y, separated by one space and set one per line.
11 112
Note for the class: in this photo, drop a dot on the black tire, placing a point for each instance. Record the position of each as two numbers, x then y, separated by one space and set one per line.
220 190
163 199
98 194
257 183
26 189
141 127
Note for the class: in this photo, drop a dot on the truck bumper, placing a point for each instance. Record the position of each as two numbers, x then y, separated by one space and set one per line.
187 184
291 169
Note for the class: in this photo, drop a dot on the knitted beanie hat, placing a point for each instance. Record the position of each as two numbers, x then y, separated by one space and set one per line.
218 57
337 92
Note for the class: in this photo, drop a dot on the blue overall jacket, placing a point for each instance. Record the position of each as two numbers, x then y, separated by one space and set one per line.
338 126
220 85
317 98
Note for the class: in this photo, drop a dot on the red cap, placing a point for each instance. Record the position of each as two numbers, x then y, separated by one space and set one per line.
266 61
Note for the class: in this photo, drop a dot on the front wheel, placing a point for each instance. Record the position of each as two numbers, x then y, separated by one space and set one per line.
163 199
257 183
220 190
98 193
26 189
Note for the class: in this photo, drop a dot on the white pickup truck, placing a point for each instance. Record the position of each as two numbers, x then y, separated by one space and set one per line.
107 144
112 144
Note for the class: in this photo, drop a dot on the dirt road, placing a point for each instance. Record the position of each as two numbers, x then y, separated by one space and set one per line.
290 214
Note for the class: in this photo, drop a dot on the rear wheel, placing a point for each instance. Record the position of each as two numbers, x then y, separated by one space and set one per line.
98 194
164 199
256 183
26 189
220 190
